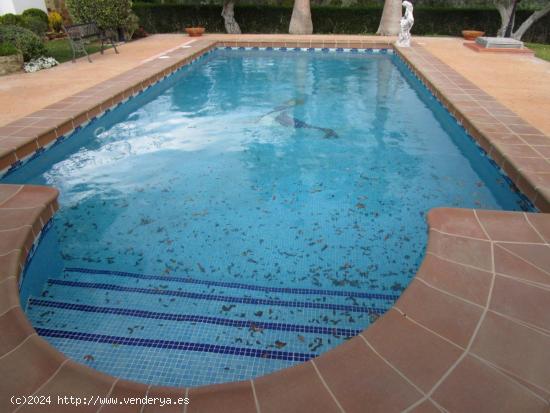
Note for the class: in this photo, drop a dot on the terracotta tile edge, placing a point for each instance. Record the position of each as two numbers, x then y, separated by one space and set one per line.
443 81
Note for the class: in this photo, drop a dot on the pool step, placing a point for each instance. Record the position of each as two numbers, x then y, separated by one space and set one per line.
331 314
105 318
212 286
138 324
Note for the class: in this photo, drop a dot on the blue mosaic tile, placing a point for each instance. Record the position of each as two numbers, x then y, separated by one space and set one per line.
176 345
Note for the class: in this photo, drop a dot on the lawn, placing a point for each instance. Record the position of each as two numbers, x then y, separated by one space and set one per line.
62 52
542 51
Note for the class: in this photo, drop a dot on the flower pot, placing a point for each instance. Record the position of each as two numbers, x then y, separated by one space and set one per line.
194 31
472 34
10 64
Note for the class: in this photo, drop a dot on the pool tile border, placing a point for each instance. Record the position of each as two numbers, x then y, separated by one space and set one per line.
222 298
518 148
487 368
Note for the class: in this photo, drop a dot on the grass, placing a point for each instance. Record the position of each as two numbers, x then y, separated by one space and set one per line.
542 51
61 50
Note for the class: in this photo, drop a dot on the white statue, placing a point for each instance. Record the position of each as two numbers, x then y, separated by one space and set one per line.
407 22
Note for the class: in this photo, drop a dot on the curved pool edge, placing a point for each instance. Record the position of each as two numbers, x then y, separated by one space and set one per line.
473 323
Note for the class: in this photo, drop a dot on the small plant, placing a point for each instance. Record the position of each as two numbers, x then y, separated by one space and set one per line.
131 24
30 45
7 49
35 13
55 21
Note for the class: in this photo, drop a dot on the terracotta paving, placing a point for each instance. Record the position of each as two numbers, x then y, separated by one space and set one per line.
24 93
470 334
521 83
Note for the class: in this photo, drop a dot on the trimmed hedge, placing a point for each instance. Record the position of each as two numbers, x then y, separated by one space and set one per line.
166 18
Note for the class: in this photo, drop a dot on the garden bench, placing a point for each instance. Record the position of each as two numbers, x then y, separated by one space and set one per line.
79 33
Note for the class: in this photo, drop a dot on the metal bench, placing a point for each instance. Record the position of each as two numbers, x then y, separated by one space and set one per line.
79 33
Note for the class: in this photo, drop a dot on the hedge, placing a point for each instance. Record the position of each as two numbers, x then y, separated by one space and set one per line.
166 18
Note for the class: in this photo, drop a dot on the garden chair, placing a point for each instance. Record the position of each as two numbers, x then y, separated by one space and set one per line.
78 34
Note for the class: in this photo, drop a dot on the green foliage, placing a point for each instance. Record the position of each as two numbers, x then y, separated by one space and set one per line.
131 24
7 49
40 14
542 51
108 14
166 18
35 24
55 21
11 19
23 39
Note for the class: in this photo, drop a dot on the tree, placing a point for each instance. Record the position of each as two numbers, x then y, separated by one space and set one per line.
301 23
391 16
506 9
228 14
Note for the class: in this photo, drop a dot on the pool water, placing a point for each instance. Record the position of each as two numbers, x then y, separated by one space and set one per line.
256 209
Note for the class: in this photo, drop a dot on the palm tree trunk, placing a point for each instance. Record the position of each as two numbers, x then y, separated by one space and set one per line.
391 16
228 14
301 23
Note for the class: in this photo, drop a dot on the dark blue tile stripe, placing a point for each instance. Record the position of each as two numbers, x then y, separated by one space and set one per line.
226 299
177 345
187 280
346 332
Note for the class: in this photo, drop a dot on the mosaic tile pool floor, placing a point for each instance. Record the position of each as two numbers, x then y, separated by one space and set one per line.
257 209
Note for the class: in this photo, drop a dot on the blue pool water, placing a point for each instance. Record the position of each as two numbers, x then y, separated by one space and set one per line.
250 212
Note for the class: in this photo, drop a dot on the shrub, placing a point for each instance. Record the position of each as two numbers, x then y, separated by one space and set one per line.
35 24
55 21
26 41
108 14
37 13
7 49
165 18
11 19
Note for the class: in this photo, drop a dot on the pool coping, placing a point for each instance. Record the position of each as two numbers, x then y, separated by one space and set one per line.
439 340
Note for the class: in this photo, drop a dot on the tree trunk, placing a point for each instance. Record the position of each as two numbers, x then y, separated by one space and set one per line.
505 10
391 16
301 23
228 14
518 34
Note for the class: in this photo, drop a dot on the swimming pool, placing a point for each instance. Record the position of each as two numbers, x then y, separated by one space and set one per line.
252 211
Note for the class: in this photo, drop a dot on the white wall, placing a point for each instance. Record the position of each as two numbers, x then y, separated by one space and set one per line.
19 6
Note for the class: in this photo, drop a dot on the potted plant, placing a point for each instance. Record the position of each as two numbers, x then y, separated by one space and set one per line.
11 59
195 31
472 34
